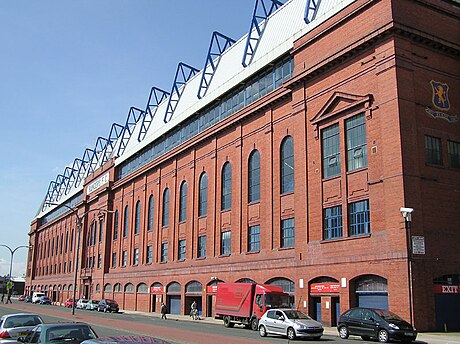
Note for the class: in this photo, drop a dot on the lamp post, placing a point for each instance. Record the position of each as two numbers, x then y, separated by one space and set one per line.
12 255
407 214
79 220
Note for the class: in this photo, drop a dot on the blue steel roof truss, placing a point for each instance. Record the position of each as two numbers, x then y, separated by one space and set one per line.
310 10
155 98
183 74
219 43
114 134
99 149
258 22
134 115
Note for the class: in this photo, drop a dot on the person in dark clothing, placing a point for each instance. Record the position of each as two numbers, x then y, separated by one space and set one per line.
163 311
3 297
9 297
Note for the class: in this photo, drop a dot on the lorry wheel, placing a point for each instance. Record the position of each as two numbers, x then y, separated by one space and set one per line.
262 331
255 324
227 322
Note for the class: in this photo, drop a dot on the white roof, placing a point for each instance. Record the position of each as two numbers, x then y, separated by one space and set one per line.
282 28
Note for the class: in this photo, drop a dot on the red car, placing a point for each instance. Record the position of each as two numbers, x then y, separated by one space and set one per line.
21 298
68 303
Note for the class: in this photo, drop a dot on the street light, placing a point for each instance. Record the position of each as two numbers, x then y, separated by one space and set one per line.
11 261
79 226
407 214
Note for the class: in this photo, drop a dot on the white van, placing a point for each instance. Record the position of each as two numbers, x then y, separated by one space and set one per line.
36 296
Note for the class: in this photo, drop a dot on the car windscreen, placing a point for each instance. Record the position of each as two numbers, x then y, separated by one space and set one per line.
22 320
294 314
69 333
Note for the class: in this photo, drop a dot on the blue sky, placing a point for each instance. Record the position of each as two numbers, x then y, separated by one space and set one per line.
69 69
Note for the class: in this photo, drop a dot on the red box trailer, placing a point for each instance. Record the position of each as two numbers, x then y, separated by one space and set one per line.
245 303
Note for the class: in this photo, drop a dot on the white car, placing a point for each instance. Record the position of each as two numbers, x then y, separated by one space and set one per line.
13 326
81 304
291 323
92 305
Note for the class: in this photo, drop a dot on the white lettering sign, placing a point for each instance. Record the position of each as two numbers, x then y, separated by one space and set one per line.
450 289
418 244
99 182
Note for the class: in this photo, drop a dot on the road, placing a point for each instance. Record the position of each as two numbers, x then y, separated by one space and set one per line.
175 331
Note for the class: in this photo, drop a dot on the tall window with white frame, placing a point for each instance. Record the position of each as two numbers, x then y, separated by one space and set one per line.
287 233
124 258
433 150
332 223
226 197
165 217
101 230
287 165
137 220
254 177
202 246
226 243
150 213
164 252
181 249
359 218
136 257
126 222
330 146
183 202
355 128
203 195
254 238
115 225
149 255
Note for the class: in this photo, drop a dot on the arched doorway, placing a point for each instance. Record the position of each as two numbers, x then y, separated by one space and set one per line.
245 280
156 295
324 300
173 298
129 297
288 287
193 292
107 291
142 297
370 291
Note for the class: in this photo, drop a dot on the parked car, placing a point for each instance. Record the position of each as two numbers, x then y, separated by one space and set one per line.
28 298
375 323
106 305
291 323
36 296
45 300
65 333
125 340
68 303
21 298
13 326
92 305
81 304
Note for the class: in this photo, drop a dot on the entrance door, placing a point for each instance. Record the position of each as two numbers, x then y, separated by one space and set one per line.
447 314
335 311
371 300
174 304
209 304
316 308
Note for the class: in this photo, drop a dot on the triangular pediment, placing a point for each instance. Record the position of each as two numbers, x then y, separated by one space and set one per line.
338 103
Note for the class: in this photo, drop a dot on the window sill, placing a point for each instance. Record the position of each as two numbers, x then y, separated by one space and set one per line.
285 248
163 262
181 260
361 236
200 258
252 252
224 255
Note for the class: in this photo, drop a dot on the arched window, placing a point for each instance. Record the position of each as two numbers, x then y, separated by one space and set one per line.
150 213
254 177
115 225
226 197
203 196
126 222
183 202
142 288
287 165
137 222
108 288
117 288
98 288
165 219
129 288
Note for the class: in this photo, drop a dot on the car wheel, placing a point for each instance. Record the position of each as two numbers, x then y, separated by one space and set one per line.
227 322
262 331
291 333
343 332
383 336
254 324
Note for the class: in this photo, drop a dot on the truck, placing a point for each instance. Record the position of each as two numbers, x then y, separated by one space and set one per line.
245 303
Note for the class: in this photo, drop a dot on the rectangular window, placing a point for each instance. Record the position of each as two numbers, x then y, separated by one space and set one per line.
358 218
254 238
330 141
202 246
287 233
433 150
164 252
453 151
226 243
114 259
99 261
181 255
136 256
356 142
124 258
149 256
332 223
101 230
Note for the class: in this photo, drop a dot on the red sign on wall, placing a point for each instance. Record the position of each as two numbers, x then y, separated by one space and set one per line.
446 289
211 289
155 290
324 288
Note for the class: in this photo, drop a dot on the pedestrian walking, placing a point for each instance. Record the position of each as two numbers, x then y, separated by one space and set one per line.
163 311
194 311
3 297
9 297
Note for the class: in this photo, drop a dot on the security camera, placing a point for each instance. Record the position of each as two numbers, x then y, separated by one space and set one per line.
406 213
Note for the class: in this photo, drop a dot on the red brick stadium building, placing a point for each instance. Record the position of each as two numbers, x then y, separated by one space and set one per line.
285 160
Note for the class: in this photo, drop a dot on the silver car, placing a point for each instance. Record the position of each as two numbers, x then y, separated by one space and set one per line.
13 326
291 323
